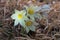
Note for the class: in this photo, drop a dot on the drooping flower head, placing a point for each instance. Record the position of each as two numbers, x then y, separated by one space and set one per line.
45 9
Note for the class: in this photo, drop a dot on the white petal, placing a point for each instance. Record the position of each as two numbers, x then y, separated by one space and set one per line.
37 9
17 11
14 16
27 29
16 22
45 8
32 28
22 23
25 18
32 18
23 12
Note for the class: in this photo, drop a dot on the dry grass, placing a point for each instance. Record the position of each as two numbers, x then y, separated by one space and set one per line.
9 32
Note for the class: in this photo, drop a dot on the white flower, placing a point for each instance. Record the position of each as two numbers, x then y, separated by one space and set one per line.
32 12
19 17
30 25
45 8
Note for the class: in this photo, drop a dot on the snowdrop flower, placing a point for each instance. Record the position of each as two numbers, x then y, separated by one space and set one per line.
32 12
30 25
46 8
19 17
